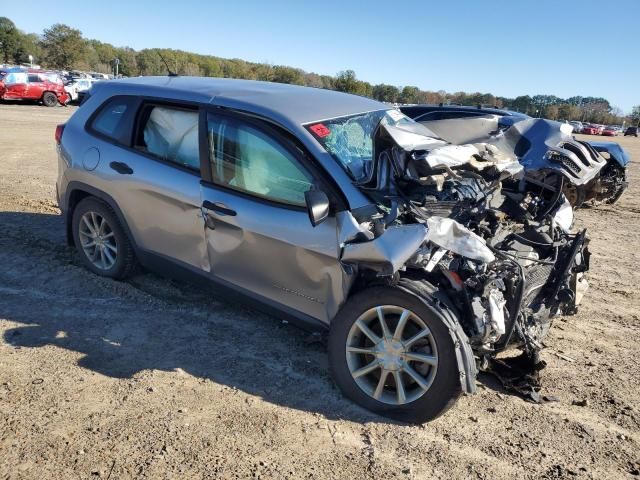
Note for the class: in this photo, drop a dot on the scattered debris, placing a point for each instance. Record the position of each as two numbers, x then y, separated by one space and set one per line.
564 357
519 374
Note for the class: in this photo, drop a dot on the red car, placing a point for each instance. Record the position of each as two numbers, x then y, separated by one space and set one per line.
609 132
46 87
589 129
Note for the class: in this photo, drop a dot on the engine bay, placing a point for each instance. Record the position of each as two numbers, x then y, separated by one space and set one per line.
499 246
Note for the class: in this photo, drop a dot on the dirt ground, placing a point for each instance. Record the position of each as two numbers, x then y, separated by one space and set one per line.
152 378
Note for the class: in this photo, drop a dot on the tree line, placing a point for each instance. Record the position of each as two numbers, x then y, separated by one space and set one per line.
62 47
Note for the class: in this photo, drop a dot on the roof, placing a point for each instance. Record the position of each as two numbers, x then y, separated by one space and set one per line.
288 104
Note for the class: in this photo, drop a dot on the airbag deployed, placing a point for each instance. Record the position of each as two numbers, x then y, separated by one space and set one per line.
173 134
451 235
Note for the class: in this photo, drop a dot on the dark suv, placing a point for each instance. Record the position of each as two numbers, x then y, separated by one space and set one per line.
586 171
631 132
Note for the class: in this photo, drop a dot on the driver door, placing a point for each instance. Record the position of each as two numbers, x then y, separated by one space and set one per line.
258 233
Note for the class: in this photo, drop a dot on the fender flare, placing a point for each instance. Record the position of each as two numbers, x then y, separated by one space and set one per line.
441 306
74 186
615 151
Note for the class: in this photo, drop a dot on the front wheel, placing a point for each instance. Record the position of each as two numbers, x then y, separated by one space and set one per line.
391 354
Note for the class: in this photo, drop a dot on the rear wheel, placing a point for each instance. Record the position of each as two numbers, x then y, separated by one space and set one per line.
391 354
101 241
49 99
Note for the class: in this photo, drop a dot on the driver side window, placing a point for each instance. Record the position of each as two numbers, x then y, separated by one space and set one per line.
248 160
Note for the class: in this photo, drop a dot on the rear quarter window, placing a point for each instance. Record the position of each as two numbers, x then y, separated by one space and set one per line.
111 121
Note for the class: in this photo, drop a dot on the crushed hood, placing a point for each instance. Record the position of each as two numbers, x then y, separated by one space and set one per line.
436 152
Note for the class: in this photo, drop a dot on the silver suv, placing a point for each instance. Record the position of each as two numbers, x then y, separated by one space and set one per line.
422 259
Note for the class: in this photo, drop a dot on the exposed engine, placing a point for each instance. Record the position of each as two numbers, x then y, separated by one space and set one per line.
499 247
527 246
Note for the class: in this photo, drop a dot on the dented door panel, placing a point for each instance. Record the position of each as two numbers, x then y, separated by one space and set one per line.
274 252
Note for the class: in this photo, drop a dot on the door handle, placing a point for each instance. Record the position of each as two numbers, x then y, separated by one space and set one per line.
218 208
121 167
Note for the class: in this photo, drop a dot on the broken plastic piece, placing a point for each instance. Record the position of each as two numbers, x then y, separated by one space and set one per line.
564 216
496 310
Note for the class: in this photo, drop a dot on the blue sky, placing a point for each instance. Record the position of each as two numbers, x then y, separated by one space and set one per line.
508 47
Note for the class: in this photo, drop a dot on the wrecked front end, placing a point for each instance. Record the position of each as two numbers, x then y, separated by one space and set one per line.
584 171
464 219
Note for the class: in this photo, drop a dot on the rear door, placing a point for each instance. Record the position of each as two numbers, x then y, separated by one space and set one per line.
259 237
150 165
35 86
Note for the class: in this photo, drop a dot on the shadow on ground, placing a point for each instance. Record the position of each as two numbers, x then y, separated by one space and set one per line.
150 323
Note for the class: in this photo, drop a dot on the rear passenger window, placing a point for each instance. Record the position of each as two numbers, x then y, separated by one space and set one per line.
110 118
170 134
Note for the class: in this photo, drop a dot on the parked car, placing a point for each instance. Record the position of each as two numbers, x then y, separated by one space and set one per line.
589 129
333 210
585 172
21 84
577 126
631 132
77 88
429 113
609 131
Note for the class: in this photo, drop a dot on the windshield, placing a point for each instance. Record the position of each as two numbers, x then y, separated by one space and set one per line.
350 139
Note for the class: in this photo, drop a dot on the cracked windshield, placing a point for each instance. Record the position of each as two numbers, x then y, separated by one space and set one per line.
350 139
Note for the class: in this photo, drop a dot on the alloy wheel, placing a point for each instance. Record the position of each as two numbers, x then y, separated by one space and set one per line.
98 240
392 355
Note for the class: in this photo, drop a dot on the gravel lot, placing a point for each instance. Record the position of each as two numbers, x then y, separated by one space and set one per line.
153 378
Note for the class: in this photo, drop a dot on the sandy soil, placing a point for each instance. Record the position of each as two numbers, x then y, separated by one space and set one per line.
156 379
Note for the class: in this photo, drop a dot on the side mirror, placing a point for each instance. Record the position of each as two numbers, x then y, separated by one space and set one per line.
317 206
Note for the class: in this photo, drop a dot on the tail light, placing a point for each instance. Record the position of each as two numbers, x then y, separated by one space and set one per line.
59 132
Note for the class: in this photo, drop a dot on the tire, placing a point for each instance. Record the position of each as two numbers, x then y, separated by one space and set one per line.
443 378
114 242
49 99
